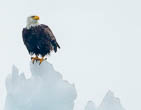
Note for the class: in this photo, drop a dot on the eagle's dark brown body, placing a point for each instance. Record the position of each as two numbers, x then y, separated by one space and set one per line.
39 40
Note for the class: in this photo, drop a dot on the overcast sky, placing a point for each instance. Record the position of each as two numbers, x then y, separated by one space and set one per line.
99 39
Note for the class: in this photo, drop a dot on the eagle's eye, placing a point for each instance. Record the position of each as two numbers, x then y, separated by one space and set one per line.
35 17
32 16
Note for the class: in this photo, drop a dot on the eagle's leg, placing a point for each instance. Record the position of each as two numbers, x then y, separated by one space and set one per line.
42 59
35 59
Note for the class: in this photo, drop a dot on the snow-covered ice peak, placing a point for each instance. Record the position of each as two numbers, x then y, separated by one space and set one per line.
110 97
45 90
110 102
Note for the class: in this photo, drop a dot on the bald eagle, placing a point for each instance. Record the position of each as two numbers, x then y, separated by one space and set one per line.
38 39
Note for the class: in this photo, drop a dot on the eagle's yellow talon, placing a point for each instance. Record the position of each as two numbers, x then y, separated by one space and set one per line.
35 59
41 60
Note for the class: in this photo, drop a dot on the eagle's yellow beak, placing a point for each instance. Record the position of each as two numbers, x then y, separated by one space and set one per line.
36 18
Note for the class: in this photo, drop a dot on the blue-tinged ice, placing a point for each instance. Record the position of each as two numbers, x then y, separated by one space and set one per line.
45 90
110 102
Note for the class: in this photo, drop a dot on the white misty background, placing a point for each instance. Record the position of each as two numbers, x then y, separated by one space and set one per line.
100 45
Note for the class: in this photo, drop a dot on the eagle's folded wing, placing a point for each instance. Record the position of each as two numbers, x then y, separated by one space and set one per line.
52 38
26 40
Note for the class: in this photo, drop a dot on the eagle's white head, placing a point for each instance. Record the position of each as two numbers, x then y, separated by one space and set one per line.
32 21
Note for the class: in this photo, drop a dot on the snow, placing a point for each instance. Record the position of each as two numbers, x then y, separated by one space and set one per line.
44 90
110 102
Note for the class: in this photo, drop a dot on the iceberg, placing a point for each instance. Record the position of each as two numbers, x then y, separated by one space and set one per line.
110 102
44 90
